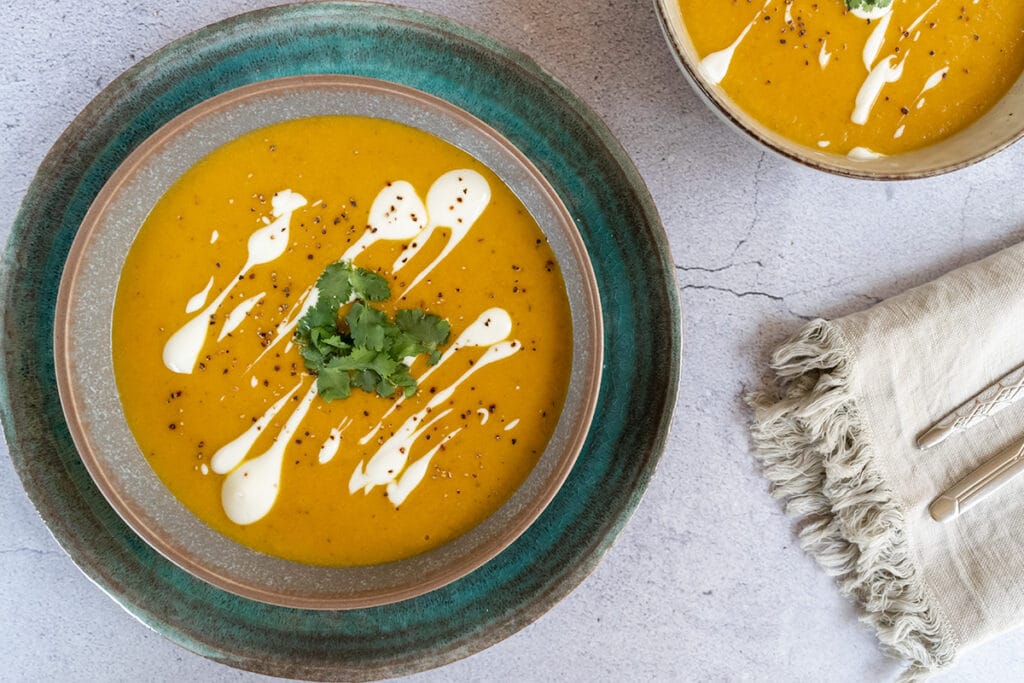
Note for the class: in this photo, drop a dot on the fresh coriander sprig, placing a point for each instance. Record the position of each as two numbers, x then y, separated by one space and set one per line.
868 5
366 348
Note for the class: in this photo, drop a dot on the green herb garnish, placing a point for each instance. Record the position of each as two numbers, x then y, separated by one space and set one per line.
365 348
868 5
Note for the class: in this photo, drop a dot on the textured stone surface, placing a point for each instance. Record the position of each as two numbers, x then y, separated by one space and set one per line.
707 581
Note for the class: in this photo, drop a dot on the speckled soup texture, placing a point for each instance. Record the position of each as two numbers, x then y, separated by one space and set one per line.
641 321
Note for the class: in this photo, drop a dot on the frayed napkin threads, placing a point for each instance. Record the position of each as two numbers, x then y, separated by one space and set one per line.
815 449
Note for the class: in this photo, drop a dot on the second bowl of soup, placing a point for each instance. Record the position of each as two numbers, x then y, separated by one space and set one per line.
893 90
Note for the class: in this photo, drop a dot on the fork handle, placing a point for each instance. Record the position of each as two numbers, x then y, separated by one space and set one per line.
1001 394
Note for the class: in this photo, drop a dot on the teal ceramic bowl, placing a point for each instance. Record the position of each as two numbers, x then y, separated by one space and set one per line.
85 363
613 213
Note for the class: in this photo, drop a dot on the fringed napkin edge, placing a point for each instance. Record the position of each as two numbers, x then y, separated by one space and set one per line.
814 447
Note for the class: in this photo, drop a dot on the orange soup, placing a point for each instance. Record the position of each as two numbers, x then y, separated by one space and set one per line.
226 384
862 82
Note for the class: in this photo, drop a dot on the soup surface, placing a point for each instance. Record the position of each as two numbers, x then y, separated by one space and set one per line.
818 73
219 398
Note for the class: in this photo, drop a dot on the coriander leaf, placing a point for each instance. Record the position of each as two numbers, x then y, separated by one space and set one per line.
366 380
326 338
335 342
868 6
368 285
335 284
428 329
332 383
384 366
368 348
403 346
368 326
385 388
321 315
314 359
359 358
402 378
341 282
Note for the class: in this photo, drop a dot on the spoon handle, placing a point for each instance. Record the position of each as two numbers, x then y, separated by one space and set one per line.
985 480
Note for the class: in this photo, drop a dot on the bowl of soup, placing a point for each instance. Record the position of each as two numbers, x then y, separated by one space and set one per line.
863 88
328 342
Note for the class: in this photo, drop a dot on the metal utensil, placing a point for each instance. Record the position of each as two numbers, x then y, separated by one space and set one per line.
1006 390
985 480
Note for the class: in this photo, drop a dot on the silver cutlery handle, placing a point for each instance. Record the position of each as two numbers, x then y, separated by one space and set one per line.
1007 390
988 478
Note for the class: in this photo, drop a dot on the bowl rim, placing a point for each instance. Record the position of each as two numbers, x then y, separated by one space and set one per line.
72 401
738 119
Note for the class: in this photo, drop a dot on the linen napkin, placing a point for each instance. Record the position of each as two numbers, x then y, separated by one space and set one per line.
836 438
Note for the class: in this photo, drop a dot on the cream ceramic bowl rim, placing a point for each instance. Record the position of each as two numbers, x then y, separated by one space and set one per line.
739 120
585 377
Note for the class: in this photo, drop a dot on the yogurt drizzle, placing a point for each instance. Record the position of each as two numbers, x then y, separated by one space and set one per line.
824 56
398 213
197 301
716 65
933 82
387 464
266 244
238 314
332 443
490 327
231 454
864 154
250 491
399 490
874 43
885 71
455 201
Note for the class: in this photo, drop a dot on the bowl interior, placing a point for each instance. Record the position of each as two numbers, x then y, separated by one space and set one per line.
998 128
85 368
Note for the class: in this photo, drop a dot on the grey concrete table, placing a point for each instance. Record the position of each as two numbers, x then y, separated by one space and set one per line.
707 581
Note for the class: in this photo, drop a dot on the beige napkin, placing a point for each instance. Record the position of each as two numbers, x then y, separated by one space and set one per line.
837 441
